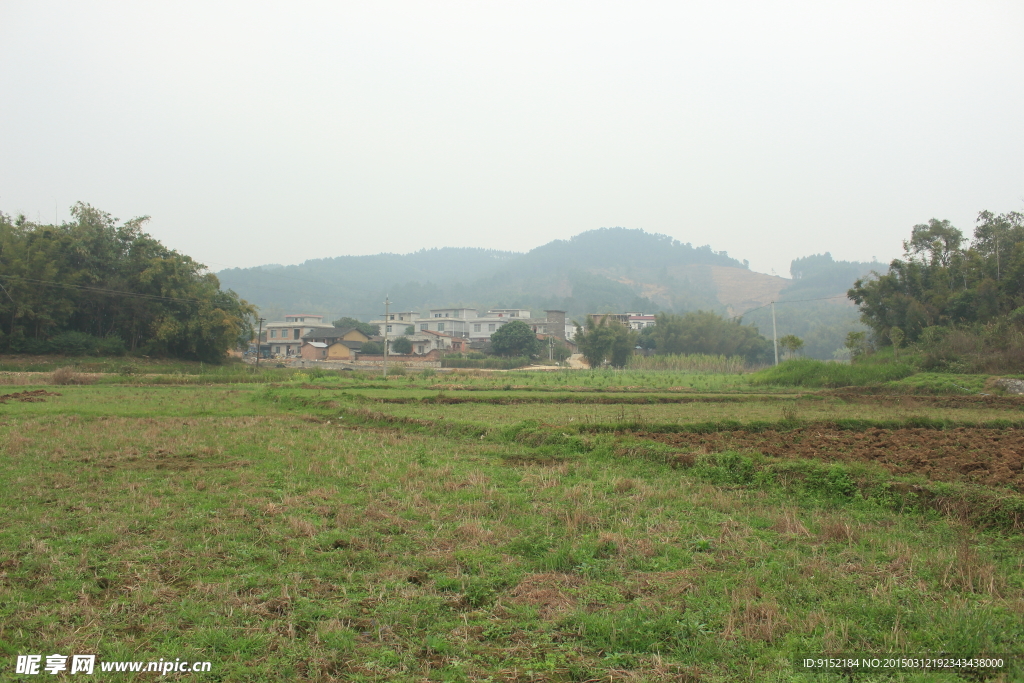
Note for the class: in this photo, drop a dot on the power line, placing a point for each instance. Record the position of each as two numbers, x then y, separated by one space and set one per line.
101 289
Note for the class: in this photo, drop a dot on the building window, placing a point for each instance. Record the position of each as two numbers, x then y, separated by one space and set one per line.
273 334
440 327
389 327
476 327
298 333
490 327
424 326
277 349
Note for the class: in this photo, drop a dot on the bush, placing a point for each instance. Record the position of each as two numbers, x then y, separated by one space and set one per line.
74 344
68 375
111 346
401 345
372 349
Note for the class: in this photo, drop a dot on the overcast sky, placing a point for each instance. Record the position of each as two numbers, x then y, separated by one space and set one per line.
274 133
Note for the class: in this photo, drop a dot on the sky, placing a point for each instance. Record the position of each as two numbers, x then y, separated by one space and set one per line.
256 132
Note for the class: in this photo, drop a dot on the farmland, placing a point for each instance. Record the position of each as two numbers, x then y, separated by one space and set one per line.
562 526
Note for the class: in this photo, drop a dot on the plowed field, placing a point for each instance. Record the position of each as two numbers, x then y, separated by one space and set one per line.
992 457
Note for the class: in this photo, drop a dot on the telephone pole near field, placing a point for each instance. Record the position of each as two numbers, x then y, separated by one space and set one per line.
259 341
387 302
775 335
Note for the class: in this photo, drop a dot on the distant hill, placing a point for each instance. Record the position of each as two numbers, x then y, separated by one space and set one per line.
610 269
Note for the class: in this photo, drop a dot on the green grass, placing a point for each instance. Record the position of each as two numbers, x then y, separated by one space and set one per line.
806 372
278 534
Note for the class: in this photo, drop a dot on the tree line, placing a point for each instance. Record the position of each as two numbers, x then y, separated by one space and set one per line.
944 281
96 285
697 332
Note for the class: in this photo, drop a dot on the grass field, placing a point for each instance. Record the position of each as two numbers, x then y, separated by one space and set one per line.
506 527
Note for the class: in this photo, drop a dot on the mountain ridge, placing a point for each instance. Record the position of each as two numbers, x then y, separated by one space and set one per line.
597 271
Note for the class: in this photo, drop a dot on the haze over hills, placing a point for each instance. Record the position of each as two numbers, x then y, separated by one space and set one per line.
604 270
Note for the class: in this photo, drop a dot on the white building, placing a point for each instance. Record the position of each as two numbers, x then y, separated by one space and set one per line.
285 337
469 324
638 321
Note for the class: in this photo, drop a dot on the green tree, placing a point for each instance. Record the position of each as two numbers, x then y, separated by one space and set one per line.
708 333
411 329
515 339
605 341
348 323
857 343
372 348
401 345
646 339
791 344
98 276
939 282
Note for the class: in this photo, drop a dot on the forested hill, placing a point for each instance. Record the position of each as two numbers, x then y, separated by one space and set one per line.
610 269
598 269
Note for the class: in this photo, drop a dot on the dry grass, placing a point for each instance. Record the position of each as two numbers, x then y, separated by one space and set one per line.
69 375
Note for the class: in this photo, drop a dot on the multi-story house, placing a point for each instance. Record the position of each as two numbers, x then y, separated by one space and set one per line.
284 338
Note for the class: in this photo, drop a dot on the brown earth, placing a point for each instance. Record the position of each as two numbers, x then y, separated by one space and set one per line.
36 396
992 457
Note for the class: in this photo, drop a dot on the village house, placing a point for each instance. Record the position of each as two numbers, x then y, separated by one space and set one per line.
285 338
333 344
638 321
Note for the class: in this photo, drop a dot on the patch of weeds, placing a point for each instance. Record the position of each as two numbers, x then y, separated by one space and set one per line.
726 468
639 631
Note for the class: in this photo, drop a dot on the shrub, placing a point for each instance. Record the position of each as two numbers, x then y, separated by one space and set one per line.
111 346
74 344
372 349
401 345
68 375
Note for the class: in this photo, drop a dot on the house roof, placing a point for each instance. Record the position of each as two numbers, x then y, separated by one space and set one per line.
318 345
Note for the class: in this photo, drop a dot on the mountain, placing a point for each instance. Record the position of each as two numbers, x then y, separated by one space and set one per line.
610 269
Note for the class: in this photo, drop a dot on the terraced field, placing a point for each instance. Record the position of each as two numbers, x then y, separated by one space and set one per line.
579 528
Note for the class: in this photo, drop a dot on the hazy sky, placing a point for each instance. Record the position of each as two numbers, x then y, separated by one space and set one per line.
277 132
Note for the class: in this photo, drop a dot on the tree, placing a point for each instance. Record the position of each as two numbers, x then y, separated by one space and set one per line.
857 343
366 328
110 280
515 339
372 349
791 344
401 345
411 329
646 340
606 341
896 336
939 282
708 333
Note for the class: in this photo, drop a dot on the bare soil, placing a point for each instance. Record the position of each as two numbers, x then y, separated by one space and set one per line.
36 396
992 457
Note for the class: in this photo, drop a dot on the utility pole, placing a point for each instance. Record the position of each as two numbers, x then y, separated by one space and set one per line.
387 302
775 335
259 341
